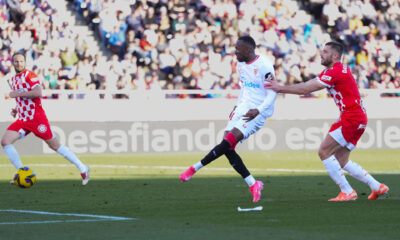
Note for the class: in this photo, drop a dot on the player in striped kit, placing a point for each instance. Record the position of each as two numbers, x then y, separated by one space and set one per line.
254 105
27 91
344 134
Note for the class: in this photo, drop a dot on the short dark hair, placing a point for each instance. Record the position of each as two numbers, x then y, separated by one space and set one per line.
248 40
18 53
337 47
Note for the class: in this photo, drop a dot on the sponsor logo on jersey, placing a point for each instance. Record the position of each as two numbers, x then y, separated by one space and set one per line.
251 85
344 68
362 126
255 71
326 78
42 128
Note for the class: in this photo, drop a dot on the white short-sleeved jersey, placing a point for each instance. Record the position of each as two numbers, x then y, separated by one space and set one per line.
252 82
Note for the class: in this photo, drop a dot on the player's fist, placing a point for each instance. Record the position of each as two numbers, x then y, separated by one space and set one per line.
13 94
14 112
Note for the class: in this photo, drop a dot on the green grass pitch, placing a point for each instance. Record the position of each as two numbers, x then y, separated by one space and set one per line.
147 188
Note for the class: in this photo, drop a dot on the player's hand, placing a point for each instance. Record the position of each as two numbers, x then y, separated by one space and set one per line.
272 83
251 114
14 112
13 94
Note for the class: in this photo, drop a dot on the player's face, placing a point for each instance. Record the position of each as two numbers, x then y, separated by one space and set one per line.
326 56
19 63
241 51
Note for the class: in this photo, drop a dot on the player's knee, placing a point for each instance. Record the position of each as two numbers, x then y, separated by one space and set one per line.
232 140
54 145
322 153
5 142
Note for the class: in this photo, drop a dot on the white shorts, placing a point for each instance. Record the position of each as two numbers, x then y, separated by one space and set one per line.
246 128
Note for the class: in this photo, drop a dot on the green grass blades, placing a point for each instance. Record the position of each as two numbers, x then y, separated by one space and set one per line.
147 188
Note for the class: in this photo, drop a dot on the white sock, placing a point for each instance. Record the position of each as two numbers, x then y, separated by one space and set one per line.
70 156
13 155
357 172
197 166
250 180
335 172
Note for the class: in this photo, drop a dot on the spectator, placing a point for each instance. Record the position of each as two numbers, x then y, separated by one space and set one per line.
181 43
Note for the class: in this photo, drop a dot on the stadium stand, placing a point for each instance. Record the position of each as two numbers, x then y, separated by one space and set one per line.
179 44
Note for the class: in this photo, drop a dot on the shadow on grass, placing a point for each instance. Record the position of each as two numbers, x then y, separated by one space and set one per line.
295 207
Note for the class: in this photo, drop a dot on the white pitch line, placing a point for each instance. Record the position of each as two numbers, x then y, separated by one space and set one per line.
183 168
68 214
54 221
97 218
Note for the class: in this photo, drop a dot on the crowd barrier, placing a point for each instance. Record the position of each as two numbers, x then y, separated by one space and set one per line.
151 122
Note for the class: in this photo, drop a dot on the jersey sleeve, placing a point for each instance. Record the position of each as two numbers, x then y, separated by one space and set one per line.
33 80
240 99
267 69
270 94
329 78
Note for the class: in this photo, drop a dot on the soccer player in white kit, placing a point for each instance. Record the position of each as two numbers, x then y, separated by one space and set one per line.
255 104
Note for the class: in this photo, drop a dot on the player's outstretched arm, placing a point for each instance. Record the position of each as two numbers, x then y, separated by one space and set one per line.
300 88
34 93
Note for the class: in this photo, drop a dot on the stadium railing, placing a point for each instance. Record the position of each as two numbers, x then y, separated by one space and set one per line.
165 94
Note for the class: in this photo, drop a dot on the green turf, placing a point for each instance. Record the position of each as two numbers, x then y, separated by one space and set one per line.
295 203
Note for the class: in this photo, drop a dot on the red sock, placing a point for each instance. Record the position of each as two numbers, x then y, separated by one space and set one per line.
231 139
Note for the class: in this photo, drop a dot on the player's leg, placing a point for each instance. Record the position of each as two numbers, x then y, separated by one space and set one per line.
9 137
359 173
237 163
243 130
326 153
41 128
229 142
352 130
64 151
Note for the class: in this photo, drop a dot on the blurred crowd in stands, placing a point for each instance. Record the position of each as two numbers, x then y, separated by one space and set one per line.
188 44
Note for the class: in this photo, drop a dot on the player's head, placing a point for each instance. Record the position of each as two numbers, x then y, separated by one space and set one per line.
19 61
331 53
244 48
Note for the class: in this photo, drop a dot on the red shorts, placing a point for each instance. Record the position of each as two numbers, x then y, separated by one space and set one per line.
39 126
348 130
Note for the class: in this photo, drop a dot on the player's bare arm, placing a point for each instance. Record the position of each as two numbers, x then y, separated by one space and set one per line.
300 88
34 93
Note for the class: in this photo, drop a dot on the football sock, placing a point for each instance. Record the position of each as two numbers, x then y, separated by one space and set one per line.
217 151
335 172
357 172
250 180
197 166
236 161
70 156
13 155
